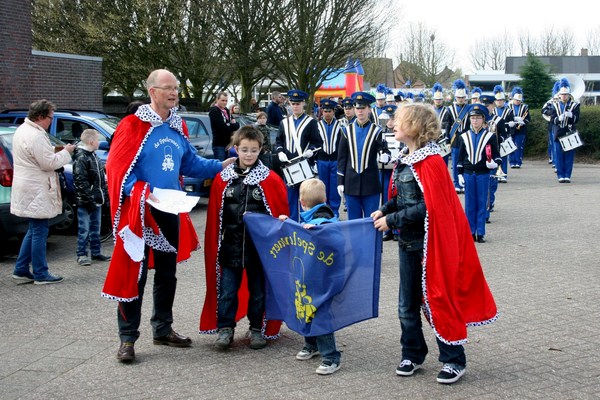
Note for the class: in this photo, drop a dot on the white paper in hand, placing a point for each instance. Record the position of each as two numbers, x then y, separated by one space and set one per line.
173 201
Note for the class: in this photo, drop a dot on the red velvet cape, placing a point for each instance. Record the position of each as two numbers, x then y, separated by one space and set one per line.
275 195
121 281
455 292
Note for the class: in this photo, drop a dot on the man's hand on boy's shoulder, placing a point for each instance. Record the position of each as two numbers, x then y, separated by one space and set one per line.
308 226
283 217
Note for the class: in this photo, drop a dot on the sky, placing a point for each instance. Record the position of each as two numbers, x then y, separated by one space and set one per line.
536 17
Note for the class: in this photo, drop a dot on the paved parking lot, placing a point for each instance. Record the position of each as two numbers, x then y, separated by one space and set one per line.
59 341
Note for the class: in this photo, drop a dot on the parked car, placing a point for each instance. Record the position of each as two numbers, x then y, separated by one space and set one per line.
11 225
201 138
68 125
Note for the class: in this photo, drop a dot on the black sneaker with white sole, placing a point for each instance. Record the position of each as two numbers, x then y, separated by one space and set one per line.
451 373
407 368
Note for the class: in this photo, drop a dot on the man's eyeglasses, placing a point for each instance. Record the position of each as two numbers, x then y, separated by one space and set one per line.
169 88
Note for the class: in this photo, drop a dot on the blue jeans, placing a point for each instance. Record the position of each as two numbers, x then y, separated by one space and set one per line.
362 206
33 250
88 230
410 296
219 153
231 280
326 346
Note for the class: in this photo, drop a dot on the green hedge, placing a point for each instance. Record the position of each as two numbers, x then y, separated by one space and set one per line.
588 127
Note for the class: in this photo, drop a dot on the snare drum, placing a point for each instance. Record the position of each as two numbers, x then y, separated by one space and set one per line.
507 147
297 172
445 148
571 141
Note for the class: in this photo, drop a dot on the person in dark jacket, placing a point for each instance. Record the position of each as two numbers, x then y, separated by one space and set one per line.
222 125
245 186
91 194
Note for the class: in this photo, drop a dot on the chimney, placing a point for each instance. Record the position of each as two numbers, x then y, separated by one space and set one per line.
584 53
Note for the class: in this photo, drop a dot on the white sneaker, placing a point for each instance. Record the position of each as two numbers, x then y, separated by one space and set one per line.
327 369
306 354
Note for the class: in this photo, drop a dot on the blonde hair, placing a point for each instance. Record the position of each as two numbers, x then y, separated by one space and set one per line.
312 192
88 135
420 121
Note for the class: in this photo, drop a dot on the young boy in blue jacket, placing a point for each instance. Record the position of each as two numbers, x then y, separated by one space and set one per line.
316 212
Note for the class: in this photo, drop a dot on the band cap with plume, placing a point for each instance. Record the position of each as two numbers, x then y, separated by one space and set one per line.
517 93
460 88
476 92
565 87
380 92
437 91
499 93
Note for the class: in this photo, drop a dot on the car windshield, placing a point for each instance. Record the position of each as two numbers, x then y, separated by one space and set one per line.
109 123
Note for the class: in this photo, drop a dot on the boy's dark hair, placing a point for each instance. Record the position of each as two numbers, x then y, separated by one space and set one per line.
248 132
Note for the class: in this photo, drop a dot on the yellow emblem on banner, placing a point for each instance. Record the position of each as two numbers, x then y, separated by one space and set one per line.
304 308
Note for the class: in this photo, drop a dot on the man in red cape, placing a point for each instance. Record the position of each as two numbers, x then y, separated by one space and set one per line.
150 150
273 190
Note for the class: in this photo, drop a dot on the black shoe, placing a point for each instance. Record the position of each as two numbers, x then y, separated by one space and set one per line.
487 221
480 239
126 352
174 339
101 257
388 236
474 237
450 373
407 368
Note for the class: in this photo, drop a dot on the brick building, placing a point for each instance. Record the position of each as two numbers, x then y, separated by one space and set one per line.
70 81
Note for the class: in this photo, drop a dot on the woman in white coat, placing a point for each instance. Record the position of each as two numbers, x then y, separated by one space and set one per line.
36 190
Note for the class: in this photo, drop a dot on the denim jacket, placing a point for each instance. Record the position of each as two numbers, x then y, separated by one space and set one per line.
406 211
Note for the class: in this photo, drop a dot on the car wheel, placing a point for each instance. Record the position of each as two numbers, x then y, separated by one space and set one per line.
69 225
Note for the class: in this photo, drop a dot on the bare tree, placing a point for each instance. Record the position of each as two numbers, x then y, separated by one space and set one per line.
491 53
557 43
314 38
592 41
526 43
424 55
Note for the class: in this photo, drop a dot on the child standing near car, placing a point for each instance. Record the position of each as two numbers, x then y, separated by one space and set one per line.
247 185
313 201
90 195
265 153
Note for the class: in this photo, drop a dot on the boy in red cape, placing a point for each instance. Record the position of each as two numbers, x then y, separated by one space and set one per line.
439 267
150 150
235 283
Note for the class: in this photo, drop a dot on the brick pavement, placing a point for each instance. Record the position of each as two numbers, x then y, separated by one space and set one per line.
59 341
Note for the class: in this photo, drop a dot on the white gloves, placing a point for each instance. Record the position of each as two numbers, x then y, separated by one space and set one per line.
491 164
519 120
511 124
568 114
443 132
340 189
461 180
561 117
383 158
308 153
282 157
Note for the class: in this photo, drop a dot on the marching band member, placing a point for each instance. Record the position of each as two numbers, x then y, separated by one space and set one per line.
349 116
357 160
298 136
495 125
459 124
475 94
380 93
410 97
399 98
547 114
522 119
443 116
506 113
330 132
474 165
564 116
389 97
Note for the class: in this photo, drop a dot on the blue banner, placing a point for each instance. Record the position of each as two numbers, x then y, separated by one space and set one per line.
321 279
